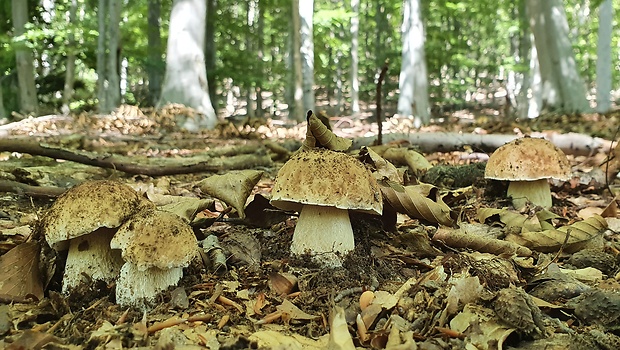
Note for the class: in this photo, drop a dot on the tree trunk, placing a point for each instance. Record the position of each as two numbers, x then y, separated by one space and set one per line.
355 84
113 91
101 57
260 34
413 81
563 87
210 51
24 60
70 65
306 12
155 63
186 75
603 58
296 108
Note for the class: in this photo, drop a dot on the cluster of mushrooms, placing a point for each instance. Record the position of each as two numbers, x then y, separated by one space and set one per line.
112 233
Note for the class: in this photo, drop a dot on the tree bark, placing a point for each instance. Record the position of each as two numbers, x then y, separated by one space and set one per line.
113 90
306 13
70 65
101 57
355 84
186 75
155 63
563 87
211 51
296 108
603 58
24 59
413 81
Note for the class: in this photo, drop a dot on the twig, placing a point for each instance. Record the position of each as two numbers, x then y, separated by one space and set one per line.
378 97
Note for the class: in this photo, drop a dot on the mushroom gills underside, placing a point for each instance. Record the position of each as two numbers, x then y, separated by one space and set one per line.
537 192
136 287
91 255
323 232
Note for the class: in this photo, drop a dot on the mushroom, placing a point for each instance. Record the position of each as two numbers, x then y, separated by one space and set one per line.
528 163
156 245
323 185
84 219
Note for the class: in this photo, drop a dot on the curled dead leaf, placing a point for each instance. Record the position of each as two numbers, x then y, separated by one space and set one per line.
381 168
233 188
419 201
319 135
456 238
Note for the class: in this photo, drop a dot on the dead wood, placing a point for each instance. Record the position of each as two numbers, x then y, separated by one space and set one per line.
570 143
128 165
32 191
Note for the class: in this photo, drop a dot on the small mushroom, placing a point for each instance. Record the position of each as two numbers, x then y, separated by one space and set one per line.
323 185
156 246
528 163
83 220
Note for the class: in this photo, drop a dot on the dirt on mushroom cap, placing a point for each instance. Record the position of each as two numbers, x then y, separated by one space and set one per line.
155 238
87 207
326 178
528 159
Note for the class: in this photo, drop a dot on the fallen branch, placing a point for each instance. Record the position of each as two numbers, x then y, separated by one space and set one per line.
128 165
32 191
570 143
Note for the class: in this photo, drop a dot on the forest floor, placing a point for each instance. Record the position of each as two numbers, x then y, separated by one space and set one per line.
402 287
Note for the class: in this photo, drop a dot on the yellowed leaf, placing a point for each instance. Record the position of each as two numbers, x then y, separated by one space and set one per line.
419 201
508 219
381 168
414 160
462 239
233 188
320 135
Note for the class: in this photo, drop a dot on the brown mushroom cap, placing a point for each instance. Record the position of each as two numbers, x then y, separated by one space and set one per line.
87 207
528 159
326 178
155 238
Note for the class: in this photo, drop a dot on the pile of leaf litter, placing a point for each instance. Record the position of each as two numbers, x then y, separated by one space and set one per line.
449 265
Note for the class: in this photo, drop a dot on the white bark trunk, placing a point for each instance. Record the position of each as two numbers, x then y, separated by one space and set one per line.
186 76
413 81
306 13
563 87
296 111
24 59
603 60
355 84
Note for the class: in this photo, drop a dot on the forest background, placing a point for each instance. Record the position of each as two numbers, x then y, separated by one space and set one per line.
273 58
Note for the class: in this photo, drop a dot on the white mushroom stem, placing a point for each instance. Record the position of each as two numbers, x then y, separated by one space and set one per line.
537 192
139 288
92 256
322 232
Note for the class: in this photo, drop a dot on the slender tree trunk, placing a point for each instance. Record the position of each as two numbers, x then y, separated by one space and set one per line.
3 115
155 63
563 87
101 57
603 60
186 75
210 51
113 74
355 84
306 12
260 34
297 110
249 47
70 65
413 81
24 59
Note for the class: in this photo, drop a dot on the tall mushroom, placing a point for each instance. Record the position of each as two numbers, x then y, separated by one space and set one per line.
323 186
528 163
84 219
156 246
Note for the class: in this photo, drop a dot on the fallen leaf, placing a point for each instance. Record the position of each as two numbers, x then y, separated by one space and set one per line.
339 336
233 188
188 207
418 201
319 135
414 160
458 238
381 168
20 276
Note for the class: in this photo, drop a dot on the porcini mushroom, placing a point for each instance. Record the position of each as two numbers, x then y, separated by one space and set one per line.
156 246
323 186
84 219
528 163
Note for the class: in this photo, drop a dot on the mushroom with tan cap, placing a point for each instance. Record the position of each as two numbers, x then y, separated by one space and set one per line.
323 186
156 245
528 163
84 219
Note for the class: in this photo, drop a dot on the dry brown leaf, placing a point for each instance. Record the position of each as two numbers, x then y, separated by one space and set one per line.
419 201
508 219
20 272
188 207
381 167
551 240
459 239
233 188
319 135
293 312
414 160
